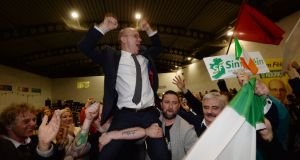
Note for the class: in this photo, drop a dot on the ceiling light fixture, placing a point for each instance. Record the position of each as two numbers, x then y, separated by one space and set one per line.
138 16
74 15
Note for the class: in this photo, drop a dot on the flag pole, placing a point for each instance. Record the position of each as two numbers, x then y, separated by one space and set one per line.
229 44
237 21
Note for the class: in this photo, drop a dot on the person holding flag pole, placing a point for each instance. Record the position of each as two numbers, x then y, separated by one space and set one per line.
233 134
274 108
269 140
250 127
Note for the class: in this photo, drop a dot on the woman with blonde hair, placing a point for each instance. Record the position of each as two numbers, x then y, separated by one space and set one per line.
72 140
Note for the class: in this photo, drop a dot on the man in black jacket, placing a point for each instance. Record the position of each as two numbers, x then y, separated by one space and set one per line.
17 141
130 83
206 111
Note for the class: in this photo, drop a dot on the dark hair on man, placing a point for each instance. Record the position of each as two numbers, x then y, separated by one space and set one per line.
170 92
9 114
214 90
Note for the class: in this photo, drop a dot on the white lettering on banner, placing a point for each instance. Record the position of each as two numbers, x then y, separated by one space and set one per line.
221 67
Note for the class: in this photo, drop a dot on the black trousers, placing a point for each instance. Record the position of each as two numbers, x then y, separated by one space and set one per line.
123 119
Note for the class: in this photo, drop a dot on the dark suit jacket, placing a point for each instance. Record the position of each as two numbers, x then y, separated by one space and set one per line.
9 152
109 58
295 85
270 150
193 119
194 103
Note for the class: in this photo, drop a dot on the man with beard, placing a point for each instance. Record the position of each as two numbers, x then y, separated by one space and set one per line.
206 112
179 134
17 123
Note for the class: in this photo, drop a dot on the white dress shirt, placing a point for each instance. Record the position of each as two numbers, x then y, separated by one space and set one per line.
204 123
126 78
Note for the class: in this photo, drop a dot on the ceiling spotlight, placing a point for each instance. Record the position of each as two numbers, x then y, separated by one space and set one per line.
189 58
74 15
138 16
229 33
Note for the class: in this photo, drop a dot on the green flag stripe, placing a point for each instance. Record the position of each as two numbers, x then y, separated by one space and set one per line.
238 49
249 105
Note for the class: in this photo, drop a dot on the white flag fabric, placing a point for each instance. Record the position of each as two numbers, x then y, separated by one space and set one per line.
232 136
291 46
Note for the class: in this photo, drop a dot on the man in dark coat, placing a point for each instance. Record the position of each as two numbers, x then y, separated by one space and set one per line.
17 141
130 83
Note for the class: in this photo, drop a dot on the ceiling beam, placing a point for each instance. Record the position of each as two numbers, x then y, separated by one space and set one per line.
34 56
35 30
44 29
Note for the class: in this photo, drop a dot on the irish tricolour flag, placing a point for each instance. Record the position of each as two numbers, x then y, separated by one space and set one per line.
232 136
244 57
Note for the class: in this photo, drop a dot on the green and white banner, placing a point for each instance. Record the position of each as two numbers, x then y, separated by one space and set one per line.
232 135
221 67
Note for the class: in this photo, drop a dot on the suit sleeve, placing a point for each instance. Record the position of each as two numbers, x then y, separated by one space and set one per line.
54 154
194 103
192 119
156 48
273 149
295 85
88 45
